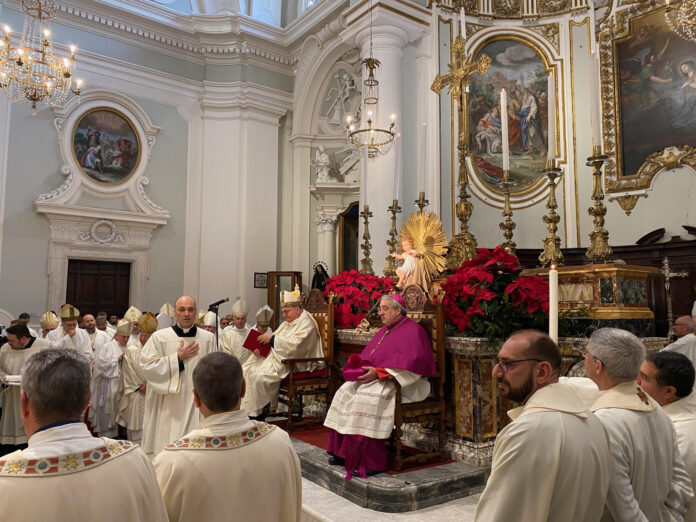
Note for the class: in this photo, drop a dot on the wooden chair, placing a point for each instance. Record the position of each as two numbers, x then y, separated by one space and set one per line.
319 382
431 317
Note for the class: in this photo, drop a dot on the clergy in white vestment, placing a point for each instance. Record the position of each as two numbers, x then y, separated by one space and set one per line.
668 377
685 330
49 321
649 480
264 316
97 338
104 326
24 319
19 347
167 361
296 338
553 461
133 315
361 416
233 336
66 474
165 316
68 335
133 385
231 467
105 381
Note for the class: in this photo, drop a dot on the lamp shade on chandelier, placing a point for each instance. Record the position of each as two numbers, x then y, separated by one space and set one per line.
30 69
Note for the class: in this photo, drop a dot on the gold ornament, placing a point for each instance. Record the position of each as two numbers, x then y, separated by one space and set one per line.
429 240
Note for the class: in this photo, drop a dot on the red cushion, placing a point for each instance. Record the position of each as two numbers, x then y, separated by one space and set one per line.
321 372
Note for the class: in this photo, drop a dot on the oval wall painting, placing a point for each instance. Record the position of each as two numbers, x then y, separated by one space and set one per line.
106 146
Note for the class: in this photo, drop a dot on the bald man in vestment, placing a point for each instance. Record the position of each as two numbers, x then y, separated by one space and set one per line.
167 362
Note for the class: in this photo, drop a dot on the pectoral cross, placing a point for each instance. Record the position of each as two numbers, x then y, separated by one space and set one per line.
463 244
669 275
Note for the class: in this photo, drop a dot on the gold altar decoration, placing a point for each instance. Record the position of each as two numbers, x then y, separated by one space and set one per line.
392 242
508 225
463 244
682 19
552 254
599 250
366 261
429 240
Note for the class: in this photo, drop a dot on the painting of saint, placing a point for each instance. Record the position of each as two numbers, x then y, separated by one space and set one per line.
656 90
106 145
521 71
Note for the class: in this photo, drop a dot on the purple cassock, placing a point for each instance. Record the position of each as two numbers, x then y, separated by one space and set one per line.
405 345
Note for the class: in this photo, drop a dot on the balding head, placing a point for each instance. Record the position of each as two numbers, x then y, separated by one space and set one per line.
684 325
540 346
185 311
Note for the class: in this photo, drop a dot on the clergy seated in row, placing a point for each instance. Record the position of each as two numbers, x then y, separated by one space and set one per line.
649 480
49 321
235 335
296 338
685 330
669 379
553 461
361 415
65 473
167 361
231 467
97 337
133 385
68 335
14 353
106 376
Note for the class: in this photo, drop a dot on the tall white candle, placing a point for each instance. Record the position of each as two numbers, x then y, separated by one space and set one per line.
365 172
552 118
504 129
397 165
424 149
595 102
553 303
462 22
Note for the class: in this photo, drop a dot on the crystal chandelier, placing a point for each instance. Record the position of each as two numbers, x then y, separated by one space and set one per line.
31 71
367 133
682 19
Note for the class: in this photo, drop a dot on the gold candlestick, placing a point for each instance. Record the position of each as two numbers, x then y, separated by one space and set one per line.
366 261
463 244
421 202
508 225
552 254
599 250
390 267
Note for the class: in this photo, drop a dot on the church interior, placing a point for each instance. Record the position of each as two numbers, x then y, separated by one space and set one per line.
239 148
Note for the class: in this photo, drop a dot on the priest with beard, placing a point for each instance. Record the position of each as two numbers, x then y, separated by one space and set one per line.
167 362
361 416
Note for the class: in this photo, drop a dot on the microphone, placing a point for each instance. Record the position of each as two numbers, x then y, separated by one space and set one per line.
218 303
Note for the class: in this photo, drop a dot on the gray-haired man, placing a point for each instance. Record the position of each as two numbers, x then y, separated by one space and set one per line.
66 473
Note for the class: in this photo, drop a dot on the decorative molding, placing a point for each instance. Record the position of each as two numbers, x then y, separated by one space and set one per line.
628 202
101 239
550 32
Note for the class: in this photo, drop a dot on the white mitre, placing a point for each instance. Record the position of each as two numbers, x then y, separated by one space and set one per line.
132 314
209 319
240 308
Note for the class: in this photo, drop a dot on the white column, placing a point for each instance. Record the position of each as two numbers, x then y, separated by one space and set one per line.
298 211
4 142
428 111
326 239
387 42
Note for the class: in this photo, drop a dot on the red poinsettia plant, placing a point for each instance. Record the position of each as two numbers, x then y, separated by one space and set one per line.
487 297
354 294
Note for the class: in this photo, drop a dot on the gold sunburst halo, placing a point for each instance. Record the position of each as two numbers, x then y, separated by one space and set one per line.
429 240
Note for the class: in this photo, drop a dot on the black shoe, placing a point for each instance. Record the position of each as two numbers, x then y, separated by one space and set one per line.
336 461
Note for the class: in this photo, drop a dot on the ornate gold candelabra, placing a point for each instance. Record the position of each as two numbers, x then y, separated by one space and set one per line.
390 267
599 250
463 244
366 261
552 254
508 225
421 202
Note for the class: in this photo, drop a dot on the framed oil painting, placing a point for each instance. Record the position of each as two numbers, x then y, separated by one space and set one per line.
522 71
656 91
106 145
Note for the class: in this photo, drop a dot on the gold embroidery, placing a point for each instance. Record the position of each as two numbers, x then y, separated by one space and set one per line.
14 467
70 462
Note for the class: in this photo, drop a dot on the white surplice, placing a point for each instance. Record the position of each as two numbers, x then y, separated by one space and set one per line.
368 409
131 402
231 465
67 474
649 481
169 409
11 362
685 345
79 342
231 342
98 339
298 339
683 415
105 381
553 462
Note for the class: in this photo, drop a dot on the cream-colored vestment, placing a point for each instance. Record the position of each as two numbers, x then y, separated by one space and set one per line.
169 409
105 379
79 342
130 400
67 475
685 345
683 415
231 468
298 339
553 462
231 342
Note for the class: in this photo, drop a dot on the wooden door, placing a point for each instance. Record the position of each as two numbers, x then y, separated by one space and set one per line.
98 286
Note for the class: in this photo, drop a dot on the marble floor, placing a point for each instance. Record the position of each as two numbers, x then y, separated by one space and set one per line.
320 505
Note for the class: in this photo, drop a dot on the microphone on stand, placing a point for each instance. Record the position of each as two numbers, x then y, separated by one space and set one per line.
216 304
